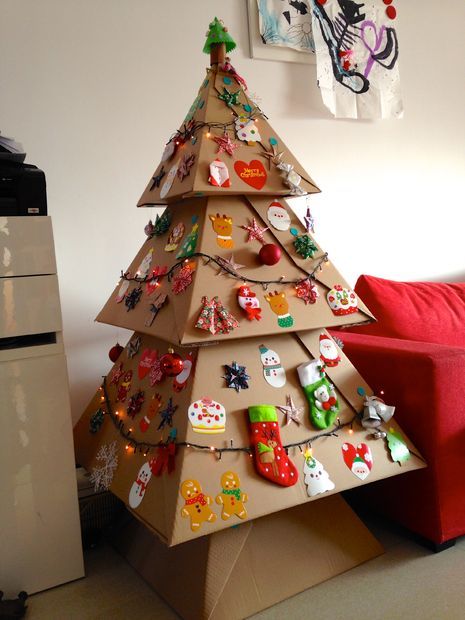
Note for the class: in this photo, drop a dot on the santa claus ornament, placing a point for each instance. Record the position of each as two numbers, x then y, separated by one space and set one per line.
358 459
278 217
329 354
249 302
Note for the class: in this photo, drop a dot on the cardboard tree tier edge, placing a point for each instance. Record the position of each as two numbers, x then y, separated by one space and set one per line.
161 506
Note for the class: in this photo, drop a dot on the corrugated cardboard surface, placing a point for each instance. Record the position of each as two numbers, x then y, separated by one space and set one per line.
176 321
215 111
162 504
240 571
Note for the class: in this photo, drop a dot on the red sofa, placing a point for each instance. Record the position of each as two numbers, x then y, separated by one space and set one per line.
415 353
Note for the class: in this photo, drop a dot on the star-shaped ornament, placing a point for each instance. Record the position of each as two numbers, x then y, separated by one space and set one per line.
167 415
292 413
156 179
134 346
133 298
255 232
273 156
236 376
229 265
229 98
225 144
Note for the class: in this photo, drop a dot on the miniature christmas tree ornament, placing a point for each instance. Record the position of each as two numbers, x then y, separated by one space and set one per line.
315 476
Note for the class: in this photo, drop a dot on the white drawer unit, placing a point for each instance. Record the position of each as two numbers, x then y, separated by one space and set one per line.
40 539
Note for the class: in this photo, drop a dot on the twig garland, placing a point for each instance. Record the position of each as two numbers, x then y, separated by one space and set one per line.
265 283
146 446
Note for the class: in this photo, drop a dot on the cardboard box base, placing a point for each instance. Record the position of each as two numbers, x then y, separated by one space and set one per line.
237 572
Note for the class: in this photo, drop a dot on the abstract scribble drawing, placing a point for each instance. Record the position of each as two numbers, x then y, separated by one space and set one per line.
344 32
286 23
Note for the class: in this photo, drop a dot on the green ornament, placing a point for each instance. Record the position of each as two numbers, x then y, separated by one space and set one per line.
96 421
305 246
229 98
189 245
397 446
218 33
162 223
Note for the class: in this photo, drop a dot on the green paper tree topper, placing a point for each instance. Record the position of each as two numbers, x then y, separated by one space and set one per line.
218 33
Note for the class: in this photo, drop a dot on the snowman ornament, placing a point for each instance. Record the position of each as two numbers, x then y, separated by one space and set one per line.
328 351
278 217
139 486
316 477
249 302
274 373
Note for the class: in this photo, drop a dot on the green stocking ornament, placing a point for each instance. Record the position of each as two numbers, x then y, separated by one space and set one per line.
320 393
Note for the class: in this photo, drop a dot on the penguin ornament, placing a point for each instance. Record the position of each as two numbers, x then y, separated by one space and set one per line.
329 354
274 373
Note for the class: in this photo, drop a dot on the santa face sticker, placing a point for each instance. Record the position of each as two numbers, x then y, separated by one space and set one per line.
315 476
358 459
274 373
248 301
165 188
207 416
278 217
175 237
123 289
180 381
144 267
342 301
329 354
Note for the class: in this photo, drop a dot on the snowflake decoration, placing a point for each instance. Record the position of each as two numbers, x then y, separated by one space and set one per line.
102 476
236 376
307 291
225 144
156 179
185 166
255 232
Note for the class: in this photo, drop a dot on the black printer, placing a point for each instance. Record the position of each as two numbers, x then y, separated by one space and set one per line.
22 189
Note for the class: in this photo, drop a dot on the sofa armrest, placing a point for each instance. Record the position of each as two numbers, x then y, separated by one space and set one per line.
425 381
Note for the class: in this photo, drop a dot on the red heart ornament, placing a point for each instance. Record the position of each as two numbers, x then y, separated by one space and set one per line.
254 173
146 361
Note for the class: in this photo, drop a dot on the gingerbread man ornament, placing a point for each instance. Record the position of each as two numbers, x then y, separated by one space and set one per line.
197 506
231 497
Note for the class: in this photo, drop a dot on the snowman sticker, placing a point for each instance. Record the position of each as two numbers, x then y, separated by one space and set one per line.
274 373
139 486
316 477
278 217
328 351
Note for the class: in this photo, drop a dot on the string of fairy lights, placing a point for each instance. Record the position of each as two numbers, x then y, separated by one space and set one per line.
229 270
146 446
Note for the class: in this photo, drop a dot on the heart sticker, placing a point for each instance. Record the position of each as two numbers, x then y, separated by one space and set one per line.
254 173
146 361
358 459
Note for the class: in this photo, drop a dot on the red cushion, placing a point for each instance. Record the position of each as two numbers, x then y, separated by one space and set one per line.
421 311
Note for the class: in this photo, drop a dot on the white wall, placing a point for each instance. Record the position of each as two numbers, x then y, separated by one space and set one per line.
94 87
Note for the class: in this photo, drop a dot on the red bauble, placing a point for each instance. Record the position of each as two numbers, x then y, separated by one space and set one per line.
171 363
269 254
115 352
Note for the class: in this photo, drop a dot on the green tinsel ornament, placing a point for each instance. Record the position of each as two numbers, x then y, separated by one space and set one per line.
304 246
96 420
218 33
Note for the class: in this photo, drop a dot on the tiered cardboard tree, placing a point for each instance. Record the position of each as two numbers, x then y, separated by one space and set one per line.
216 412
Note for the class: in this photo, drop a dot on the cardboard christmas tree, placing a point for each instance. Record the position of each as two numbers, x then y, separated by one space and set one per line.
231 401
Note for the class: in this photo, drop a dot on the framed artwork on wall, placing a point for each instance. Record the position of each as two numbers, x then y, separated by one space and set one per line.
286 26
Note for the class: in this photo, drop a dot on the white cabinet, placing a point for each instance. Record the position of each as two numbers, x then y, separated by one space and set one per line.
40 542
